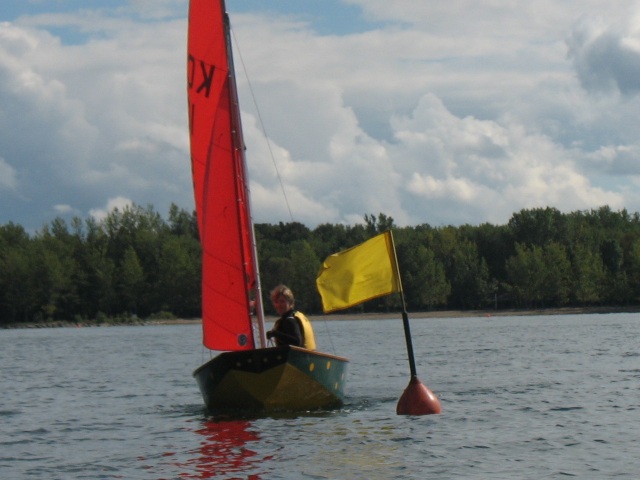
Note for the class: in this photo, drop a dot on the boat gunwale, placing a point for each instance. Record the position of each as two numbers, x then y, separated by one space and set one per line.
282 348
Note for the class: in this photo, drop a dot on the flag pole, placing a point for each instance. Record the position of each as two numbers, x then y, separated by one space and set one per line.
416 399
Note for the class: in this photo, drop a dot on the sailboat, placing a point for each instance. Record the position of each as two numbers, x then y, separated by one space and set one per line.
248 374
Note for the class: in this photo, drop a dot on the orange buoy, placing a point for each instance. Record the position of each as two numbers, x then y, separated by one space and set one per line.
417 399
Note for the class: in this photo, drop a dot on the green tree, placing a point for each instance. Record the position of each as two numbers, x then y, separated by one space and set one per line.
305 266
589 276
327 239
632 268
98 279
16 292
130 281
182 222
557 275
423 277
55 272
374 226
53 284
525 272
180 276
538 226
469 277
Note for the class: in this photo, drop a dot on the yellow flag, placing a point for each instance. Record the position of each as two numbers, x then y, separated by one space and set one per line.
358 274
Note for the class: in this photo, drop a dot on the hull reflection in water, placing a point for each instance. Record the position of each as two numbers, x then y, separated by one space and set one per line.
272 379
225 451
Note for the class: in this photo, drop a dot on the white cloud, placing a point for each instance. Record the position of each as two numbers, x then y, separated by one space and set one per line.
119 203
434 115
484 168
80 123
63 209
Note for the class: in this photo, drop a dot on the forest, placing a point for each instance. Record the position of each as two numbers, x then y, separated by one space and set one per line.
137 264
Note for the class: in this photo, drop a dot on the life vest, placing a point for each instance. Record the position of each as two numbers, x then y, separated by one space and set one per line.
307 331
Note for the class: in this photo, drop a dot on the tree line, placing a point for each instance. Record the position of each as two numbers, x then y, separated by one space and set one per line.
137 263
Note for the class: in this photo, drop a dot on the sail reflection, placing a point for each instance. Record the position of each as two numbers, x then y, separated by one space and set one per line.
225 452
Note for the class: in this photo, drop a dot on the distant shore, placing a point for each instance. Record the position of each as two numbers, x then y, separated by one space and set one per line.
484 313
451 314
352 316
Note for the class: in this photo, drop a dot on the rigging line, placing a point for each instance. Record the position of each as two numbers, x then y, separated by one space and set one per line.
326 327
264 130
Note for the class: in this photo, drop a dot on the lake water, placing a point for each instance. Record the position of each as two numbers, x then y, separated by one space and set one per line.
522 397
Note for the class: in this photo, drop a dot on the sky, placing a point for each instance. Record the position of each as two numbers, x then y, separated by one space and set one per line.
440 113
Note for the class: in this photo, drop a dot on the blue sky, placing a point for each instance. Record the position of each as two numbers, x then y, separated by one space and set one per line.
430 112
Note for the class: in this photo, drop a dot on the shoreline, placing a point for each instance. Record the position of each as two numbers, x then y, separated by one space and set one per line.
338 317
351 316
513 312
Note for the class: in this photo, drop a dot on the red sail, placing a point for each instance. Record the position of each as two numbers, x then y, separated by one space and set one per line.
219 180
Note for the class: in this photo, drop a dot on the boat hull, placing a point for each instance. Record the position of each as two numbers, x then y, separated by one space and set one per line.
272 379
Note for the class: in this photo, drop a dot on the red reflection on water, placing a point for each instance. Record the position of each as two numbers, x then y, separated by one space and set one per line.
224 451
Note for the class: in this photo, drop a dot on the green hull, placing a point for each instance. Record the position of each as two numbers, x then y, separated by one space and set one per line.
273 379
